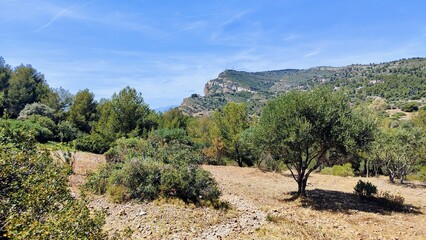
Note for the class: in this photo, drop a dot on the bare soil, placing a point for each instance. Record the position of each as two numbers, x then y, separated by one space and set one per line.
262 208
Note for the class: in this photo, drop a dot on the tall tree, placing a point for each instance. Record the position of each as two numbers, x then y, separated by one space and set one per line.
83 112
26 85
130 112
174 118
228 124
5 73
309 129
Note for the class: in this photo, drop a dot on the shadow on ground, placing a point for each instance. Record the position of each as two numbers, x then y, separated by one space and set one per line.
413 185
335 201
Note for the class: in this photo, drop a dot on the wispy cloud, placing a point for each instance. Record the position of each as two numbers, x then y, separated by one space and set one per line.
63 12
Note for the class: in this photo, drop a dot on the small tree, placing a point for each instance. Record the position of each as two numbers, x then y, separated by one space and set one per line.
399 149
309 129
228 125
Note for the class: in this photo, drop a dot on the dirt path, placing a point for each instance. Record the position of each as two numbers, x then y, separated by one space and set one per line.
260 210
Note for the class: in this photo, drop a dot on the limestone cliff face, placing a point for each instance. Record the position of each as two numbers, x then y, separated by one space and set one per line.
223 85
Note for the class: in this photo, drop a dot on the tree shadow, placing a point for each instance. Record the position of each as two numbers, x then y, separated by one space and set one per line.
335 201
413 185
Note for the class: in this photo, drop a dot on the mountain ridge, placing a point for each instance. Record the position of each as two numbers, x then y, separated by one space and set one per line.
363 80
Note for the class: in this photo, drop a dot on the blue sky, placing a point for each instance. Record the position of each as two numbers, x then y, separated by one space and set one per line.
168 49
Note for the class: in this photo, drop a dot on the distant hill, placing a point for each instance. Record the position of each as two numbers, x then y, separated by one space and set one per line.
400 80
166 108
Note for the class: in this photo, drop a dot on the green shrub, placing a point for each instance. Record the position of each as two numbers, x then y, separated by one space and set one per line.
419 176
66 131
94 143
365 189
147 179
125 149
36 109
410 107
35 199
344 170
97 181
118 193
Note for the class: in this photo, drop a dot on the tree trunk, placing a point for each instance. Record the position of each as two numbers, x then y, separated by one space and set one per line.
302 182
367 168
392 177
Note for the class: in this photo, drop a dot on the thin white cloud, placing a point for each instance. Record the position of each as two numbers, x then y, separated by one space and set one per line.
63 12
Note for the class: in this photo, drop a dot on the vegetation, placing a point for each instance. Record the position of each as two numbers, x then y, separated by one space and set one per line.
34 195
154 168
365 189
307 130
342 127
344 170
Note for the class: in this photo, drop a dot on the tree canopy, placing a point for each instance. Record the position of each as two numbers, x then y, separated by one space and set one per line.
309 129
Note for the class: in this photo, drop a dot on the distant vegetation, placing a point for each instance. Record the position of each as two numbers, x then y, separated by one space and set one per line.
330 120
397 82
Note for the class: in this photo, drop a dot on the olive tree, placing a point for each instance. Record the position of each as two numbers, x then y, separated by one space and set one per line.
309 129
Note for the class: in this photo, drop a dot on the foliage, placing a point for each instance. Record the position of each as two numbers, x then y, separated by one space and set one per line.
66 131
228 125
344 170
46 123
82 112
399 148
365 189
94 143
391 201
40 133
36 109
410 107
148 169
174 118
97 181
130 112
34 195
309 129
26 85
166 135
147 179
125 149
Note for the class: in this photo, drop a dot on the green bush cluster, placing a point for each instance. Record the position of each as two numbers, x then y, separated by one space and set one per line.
94 143
365 189
34 195
344 170
410 107
150 169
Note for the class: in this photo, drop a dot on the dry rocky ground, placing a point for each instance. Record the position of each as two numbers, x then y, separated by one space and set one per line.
261 208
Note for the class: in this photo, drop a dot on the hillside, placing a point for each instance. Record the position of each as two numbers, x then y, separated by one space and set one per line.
395 81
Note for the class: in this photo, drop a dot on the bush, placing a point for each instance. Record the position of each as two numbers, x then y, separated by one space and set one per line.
118 193
40 133
147 179
66 131
344 170
36 109
97 181
94 143
419 176
410 107
365 189
125 149
35 199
